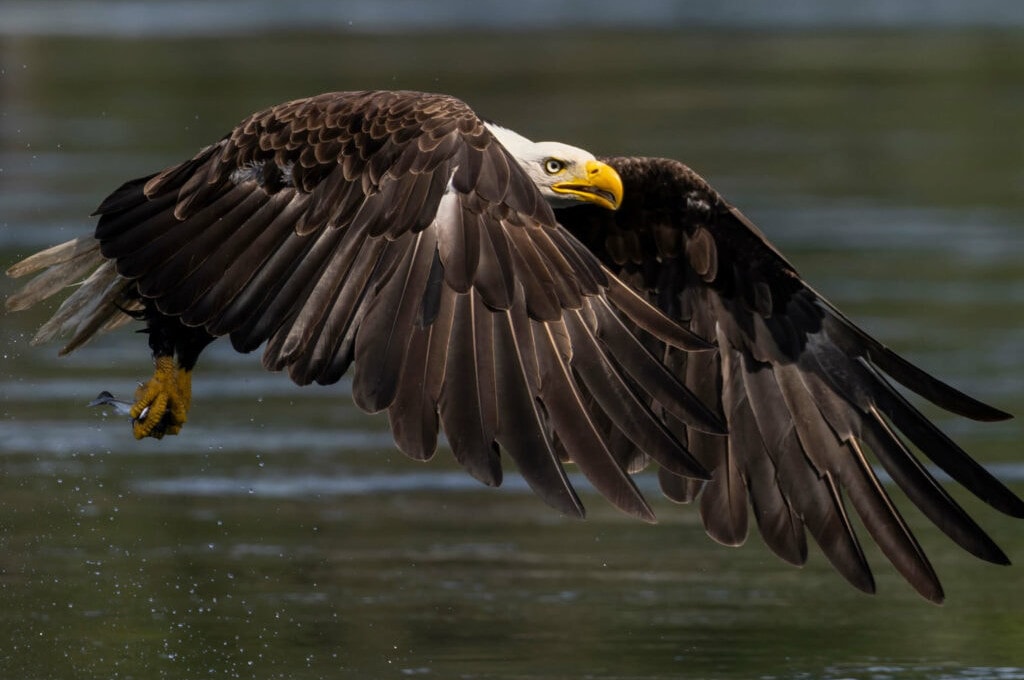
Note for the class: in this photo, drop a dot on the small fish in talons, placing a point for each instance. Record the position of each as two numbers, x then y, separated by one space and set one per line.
104 398
166 425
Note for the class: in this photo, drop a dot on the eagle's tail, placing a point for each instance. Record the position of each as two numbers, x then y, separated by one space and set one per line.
99 304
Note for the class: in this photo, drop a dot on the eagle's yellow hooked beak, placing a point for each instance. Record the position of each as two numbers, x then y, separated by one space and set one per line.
599 183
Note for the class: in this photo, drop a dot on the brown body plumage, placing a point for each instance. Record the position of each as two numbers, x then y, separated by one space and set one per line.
394 230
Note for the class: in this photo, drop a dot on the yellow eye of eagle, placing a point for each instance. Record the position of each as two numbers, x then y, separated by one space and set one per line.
553 166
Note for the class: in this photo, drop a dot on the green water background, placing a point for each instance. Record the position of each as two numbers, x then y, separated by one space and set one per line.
282 536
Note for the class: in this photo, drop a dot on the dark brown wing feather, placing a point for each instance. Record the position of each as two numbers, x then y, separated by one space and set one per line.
802 389
390 229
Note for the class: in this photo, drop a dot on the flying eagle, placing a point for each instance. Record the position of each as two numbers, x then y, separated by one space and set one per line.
531 299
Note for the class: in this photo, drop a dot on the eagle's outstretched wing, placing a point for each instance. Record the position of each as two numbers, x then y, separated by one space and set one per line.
392 230
802 389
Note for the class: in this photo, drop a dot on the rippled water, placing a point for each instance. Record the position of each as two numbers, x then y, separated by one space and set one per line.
282 536
136 18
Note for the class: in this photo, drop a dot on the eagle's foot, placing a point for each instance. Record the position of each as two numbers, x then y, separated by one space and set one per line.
161 404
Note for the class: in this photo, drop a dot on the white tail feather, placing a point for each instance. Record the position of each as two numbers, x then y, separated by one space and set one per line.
98 304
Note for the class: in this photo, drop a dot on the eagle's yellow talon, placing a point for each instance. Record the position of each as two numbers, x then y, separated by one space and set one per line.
184 400
161 404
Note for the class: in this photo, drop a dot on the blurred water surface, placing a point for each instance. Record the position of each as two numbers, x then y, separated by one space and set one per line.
282 536
235 17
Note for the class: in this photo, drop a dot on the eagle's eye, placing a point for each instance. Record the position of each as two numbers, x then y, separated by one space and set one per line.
553 166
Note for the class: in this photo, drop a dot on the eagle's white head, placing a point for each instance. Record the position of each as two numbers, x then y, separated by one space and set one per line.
565 175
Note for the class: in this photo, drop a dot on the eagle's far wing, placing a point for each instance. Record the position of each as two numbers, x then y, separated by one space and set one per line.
391 230
802 389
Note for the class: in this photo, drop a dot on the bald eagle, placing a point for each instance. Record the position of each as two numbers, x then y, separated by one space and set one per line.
526 298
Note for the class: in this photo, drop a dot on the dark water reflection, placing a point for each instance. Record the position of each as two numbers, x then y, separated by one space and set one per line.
281 536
